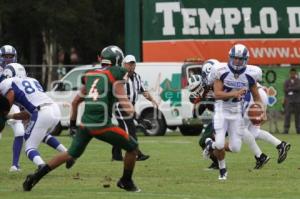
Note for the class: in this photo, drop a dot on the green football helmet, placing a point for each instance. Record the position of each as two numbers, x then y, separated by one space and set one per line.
112 55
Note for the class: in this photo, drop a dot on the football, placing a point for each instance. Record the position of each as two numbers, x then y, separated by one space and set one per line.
256 114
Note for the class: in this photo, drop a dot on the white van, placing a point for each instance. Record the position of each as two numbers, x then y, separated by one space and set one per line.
166 82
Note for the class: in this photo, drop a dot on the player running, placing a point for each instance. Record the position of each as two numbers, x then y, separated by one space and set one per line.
101 89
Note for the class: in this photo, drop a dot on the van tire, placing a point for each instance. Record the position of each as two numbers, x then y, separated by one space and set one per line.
159 124
190 130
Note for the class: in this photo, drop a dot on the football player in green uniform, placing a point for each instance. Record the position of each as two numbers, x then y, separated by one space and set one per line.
201 97
101 89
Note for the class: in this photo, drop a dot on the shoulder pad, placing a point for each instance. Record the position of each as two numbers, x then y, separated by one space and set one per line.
255 72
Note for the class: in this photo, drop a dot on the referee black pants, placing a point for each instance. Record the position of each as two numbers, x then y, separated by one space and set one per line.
126 123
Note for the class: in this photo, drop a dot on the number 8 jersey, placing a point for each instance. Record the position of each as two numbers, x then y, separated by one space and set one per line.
28 92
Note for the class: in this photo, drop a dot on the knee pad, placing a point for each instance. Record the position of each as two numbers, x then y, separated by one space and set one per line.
235 147
219 144
219 139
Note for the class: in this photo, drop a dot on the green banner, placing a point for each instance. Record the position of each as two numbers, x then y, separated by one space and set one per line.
273 79
215 19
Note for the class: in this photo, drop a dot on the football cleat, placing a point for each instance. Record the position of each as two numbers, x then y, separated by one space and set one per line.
213 166
29 182
128 186
142 157
70 163
261 161
14 169
223 174
283 149
32 179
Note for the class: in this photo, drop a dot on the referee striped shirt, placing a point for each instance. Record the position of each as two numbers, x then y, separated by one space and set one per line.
134 87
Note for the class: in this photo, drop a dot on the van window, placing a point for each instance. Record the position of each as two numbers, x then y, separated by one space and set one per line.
188 70
73 80
194 70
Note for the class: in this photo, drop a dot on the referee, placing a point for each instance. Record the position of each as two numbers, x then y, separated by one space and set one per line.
133 87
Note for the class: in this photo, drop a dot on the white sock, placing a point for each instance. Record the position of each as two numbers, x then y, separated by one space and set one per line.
250 141
38 160
61 148
268 137
222 164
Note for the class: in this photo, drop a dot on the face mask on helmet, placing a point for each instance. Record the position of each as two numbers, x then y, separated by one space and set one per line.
238 57
14 70
195 85
8 54
112 55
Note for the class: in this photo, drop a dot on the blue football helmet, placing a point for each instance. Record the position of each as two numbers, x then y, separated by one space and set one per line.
238 57
8 54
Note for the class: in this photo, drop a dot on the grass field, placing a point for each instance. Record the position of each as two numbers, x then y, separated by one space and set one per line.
175 170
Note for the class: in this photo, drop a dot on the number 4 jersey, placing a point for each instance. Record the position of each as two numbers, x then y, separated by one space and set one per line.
28 92
100 97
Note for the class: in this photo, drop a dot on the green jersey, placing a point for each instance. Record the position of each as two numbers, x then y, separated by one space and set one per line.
100 97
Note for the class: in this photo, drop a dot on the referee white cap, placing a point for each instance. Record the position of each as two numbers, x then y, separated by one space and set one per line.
128 59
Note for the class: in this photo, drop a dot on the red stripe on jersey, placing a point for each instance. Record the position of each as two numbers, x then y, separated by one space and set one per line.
114 129
106 72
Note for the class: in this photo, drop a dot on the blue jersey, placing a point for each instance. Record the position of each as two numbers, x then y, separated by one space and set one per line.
28 92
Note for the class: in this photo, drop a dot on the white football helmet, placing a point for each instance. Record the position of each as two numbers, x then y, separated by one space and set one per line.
14 70
196 84
206 67
241 53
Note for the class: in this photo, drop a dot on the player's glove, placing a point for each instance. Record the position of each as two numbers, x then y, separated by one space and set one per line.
73 128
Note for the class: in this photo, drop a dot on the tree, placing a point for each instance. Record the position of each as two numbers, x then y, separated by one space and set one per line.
34 26
39 29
